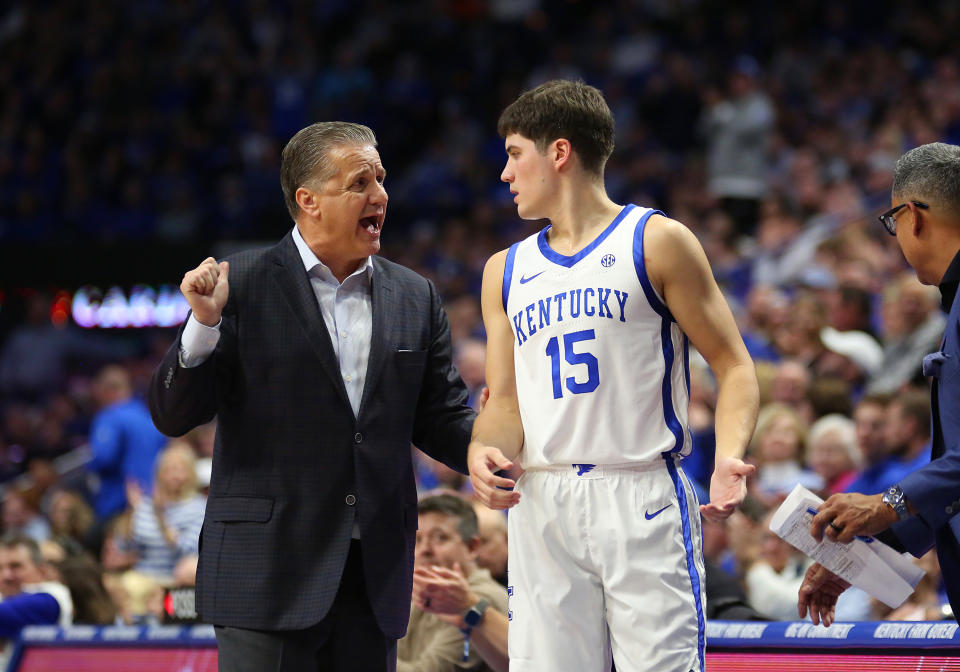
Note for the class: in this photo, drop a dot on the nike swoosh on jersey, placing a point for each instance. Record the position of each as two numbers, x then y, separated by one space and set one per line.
651 516
524 280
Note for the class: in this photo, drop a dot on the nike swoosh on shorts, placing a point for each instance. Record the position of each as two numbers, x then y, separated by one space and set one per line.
651 516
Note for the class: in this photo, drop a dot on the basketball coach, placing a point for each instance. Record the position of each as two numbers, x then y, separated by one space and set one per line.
322 363
923 509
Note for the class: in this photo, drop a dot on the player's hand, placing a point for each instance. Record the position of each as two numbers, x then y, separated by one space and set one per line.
444 592
205 288
482 461
818 594
728 487
844 516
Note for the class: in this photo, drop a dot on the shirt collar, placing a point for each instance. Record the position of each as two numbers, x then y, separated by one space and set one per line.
950 283
311 262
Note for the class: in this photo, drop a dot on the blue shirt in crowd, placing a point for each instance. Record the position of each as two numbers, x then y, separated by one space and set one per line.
877 478
125 445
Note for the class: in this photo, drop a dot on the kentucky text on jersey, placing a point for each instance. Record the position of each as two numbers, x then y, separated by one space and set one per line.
590 301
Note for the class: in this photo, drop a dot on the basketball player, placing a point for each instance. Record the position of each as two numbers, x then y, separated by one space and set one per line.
587 326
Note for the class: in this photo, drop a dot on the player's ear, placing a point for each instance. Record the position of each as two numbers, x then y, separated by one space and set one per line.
562 151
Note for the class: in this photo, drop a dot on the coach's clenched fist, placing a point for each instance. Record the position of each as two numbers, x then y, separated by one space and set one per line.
205 288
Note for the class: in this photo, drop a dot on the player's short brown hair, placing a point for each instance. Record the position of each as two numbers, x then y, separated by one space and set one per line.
564 109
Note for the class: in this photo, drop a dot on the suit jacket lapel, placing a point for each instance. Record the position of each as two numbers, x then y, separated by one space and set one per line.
296 290
381 302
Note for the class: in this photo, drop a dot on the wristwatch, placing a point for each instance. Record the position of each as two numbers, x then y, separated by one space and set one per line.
475 614
894 498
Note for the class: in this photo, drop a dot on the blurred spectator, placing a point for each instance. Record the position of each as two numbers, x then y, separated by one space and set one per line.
30 597
777 450
492 549
913 326
71 516
797 335
447 543
91 602
114 554
20 517
881 468
766 311
123 441
791 386
772 568
831 395
786 248
851 309
832 452
137 598
469 356
737 128
166 525
851 356
907 429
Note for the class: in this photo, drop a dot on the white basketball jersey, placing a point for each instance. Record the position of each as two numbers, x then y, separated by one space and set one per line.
601 366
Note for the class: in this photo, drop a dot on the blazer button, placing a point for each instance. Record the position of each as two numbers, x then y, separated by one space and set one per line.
358 438
949 509
351 500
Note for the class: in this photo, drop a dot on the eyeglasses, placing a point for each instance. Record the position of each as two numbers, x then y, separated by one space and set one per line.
889 221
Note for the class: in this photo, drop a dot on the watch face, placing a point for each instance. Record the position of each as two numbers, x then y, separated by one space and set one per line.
475 613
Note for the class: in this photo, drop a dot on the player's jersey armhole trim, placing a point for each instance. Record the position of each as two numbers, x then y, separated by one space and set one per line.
562 259
652 297
508 273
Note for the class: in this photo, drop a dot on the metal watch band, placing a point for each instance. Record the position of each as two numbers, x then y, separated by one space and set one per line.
894 498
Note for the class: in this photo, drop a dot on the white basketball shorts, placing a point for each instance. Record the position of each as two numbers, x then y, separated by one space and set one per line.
606 561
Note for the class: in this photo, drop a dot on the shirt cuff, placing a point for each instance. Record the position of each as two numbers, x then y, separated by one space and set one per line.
197 342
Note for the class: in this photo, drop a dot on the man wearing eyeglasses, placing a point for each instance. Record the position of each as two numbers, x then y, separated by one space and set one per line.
922 510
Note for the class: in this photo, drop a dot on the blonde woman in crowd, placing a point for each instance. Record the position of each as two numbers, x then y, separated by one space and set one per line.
166 524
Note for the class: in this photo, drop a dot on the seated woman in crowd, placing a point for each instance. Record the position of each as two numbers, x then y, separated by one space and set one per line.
776 449
166 525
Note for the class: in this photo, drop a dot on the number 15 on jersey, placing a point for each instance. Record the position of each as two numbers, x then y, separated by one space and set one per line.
574 358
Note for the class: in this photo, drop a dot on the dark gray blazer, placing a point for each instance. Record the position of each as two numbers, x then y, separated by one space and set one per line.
292 467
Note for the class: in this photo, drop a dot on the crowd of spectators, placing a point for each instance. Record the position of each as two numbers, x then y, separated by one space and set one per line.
771 131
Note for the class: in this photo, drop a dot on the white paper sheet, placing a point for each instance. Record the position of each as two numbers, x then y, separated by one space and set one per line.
866 563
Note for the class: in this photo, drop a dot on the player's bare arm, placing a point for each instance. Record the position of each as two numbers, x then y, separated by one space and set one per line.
205 288
679 270
497 432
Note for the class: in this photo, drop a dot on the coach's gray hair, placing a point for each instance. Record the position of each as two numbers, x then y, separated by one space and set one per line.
305 158
929 172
